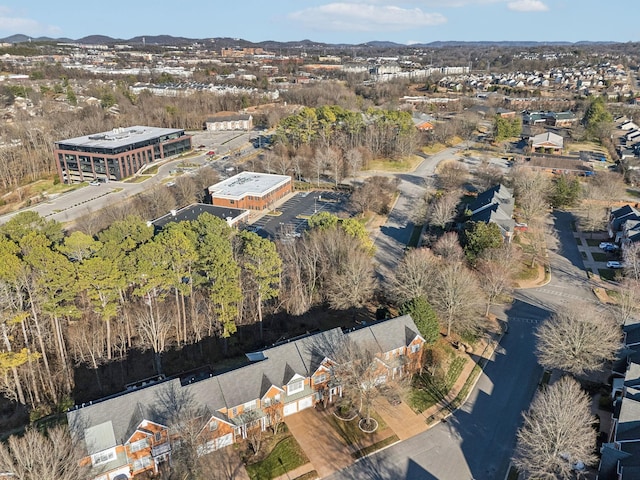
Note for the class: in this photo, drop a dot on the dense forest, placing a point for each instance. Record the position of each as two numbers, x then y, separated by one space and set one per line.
73 299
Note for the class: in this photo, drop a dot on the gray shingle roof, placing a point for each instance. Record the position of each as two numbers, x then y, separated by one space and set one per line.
163 401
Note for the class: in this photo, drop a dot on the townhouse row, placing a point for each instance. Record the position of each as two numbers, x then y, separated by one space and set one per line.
133 432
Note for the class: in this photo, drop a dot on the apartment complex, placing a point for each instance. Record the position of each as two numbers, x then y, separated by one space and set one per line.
130 433
116 154
250 190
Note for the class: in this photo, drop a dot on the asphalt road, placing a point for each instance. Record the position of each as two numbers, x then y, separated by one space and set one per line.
477 441
394 235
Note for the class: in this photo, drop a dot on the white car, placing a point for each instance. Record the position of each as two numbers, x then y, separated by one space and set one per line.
605 245
614 264
94 183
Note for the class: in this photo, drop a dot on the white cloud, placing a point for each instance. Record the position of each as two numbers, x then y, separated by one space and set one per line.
362 17
11 23
527 6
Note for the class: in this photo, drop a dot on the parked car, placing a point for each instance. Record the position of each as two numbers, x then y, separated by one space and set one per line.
94 183
615 264
605 245
611 248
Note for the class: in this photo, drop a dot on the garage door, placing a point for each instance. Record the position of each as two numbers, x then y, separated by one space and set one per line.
305 403
224 441
290 409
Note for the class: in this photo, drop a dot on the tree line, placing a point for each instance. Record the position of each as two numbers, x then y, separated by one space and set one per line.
73 298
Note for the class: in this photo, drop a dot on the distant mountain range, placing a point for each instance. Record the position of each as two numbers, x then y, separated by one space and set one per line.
168 40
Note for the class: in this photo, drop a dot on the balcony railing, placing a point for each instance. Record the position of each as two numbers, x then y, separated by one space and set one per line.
160 449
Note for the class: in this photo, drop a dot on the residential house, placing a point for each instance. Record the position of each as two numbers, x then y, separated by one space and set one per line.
423 122
620 456
133 432
547 142
223 121
617 220
561 119
495 205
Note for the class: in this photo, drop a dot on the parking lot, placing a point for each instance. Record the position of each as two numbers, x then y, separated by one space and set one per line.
294 213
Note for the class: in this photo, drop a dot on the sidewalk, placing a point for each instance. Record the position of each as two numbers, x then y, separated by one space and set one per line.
446 406
296 472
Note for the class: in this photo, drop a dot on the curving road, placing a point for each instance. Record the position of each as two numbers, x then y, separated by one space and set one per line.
476 441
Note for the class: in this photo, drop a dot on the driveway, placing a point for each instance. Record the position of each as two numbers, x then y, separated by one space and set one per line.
395 234
320 442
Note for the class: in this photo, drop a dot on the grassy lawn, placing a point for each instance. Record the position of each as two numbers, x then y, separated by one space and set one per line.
578 241
430 390
363 452
599 256
527 273
584 255
152 170
138 179
415 236
284 457
433 149
633 192
351 433
607 273
593 242
387 165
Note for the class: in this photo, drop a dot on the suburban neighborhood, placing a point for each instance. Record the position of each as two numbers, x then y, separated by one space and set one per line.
291 260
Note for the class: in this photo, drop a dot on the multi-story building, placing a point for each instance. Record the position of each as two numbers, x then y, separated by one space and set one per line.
223 121
116 154
127 433
250 190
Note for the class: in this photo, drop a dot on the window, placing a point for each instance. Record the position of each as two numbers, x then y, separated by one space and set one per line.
141 463
213 426
234 412
320 378
415 348
157 436
103 457
250 406
295 387
139 445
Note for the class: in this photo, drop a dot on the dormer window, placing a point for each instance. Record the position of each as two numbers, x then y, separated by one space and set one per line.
295 387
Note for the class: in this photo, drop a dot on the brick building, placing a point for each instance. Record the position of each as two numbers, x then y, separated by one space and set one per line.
250 190
116 154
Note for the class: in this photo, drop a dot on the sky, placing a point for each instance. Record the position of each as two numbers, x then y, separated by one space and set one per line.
340 21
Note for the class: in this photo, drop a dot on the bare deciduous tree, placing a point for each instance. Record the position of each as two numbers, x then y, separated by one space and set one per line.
414 276
452 175
36 456
557 433
487 175
628 301
531 190
631 257
577 339
497 270
442 209
456 296
449 248
154 331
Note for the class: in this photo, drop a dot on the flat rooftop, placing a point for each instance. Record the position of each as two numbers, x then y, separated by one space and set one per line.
248 183
119 137
192 212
